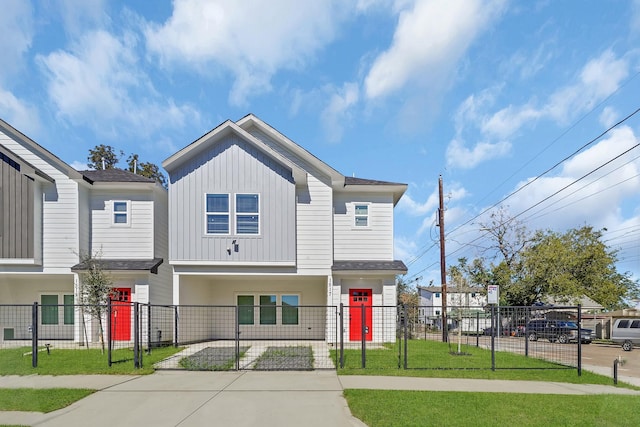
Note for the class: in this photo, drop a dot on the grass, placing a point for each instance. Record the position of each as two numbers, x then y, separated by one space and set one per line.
79 361
39 400
418 408
436 361
285 358
212 359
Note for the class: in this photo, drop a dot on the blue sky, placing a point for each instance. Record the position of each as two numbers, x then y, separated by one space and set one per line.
487 93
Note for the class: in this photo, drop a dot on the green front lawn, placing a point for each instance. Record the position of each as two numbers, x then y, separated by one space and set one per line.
421 408
39 400
434 359
79 361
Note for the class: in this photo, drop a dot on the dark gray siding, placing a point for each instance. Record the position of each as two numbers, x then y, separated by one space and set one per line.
232 166
16 208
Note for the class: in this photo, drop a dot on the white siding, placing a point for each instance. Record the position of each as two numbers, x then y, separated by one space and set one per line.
160 285
133 241
314 227
374 242
60 235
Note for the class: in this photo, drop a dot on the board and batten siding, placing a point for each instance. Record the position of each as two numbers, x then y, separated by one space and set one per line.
17 213
60 235
232 166
374 242
314 227
115 241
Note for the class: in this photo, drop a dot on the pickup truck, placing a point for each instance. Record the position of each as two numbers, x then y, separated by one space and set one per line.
562 331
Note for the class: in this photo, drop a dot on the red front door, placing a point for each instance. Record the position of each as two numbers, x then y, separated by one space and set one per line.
121 314
357 299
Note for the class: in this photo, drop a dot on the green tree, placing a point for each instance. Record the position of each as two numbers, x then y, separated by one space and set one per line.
95 290
146 169
567 266
103 155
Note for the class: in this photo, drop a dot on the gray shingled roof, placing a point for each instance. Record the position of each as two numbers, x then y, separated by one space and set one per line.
124 265
369 266
349 180
113 175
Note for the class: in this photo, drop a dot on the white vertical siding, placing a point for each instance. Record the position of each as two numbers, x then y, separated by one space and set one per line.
314 227
160 285
374 242
229 167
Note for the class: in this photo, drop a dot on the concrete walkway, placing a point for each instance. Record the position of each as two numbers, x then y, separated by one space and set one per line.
179 398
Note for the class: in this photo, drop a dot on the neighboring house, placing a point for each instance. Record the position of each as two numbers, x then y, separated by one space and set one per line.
256 221
51 214
430 311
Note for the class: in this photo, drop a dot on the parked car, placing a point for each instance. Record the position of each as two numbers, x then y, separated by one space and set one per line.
562 331
626 332
508 331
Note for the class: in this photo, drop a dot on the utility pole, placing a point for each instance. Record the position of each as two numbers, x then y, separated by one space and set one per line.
443 266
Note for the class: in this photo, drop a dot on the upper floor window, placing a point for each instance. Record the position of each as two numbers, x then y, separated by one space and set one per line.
121 212
217 213
247 214
361 214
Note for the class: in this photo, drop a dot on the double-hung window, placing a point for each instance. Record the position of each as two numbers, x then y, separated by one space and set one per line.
247 214
120 213
361 215
217 213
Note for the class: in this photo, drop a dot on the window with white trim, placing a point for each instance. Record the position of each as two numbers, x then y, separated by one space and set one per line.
247 214
217 213
361 215
273 309
50 309
121 212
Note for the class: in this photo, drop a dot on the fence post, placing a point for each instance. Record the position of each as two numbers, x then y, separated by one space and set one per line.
149 329
493 338
237 326
404 309
579 340
109 361
34 335
363 335
136 335
477 329
527 316
175 326
341 335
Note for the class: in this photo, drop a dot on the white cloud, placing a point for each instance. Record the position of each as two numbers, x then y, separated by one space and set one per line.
99 83
599 78
337 113
78 16
596 199
18 113
430 38
252 39
608 117
16 35
458 155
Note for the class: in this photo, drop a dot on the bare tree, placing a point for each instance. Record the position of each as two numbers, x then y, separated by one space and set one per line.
95 291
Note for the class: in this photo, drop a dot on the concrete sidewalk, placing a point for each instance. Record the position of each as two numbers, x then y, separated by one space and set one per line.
180 398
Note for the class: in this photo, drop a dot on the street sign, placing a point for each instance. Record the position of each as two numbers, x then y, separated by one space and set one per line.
493 294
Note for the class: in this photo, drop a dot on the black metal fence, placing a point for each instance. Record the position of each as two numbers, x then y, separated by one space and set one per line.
302 337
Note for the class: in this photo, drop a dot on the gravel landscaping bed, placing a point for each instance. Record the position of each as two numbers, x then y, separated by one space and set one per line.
285 358
212 359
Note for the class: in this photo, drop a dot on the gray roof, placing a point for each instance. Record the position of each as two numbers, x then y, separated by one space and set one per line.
113 175
124 265
349 180
369 266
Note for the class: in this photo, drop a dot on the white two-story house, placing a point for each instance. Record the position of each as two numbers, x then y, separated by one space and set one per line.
258 222
52 216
